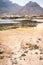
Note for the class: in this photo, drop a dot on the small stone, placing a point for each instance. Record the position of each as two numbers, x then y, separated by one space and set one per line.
23 55
41 58
36 47
1 51
39 39
20 58
26 43
24 58
26 52
15 62
36 52
2 57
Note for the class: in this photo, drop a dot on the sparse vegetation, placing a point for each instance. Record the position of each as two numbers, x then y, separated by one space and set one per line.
28 23
23 23
33 47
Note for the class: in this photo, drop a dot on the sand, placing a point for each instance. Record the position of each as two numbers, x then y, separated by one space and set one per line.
22 46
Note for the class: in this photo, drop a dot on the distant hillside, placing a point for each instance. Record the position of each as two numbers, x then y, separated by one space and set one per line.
7 6
31 8
4 6
14 8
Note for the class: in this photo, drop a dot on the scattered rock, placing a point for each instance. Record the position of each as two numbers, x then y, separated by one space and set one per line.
26 52
23 55
41 58
1 51
14 62
24 58
36 47
1 57
36 52
41 51
39 39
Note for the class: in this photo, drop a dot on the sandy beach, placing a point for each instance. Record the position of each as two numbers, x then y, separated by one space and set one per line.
21 46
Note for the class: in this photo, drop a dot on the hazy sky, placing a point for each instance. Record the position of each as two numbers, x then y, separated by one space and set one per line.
23 2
